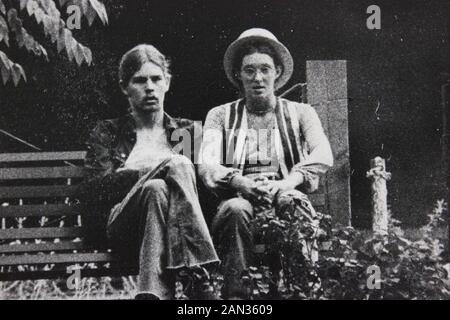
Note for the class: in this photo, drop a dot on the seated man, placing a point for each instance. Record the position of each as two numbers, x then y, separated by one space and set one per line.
144 189
274 149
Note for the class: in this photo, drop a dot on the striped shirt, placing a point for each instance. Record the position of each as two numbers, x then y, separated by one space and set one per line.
297 137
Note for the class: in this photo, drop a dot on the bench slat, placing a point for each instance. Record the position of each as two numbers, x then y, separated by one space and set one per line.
40 247
40 233
41 173
55 258
62 274
37 191
37 210
42 156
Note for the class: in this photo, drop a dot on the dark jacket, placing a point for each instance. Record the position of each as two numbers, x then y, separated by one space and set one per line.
108 147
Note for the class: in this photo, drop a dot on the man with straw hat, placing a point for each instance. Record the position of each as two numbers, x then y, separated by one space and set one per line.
261 153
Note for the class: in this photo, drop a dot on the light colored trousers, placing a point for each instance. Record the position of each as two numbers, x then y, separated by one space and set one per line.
160 222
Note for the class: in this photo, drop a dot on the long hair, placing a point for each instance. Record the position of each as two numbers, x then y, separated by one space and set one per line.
133 60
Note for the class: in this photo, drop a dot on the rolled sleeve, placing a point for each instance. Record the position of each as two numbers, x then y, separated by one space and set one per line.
319 157
213 173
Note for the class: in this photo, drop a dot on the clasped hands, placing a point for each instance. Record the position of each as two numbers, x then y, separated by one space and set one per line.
262 191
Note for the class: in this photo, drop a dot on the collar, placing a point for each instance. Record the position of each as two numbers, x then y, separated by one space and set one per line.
129 126
262 112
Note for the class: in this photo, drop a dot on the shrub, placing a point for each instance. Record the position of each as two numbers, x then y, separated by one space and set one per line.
344 269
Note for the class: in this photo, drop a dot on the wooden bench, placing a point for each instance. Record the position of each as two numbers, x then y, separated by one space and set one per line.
41 233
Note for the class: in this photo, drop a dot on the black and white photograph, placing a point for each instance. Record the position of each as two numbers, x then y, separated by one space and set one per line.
224 150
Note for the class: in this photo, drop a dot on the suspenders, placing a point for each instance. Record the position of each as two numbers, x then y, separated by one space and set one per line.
288 140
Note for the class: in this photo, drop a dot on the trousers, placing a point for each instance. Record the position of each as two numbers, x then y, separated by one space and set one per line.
160 223
234 237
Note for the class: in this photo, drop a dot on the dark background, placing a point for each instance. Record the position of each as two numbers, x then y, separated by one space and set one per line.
396 71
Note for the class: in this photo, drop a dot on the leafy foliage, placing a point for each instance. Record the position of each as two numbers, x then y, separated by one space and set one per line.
46 14
409 269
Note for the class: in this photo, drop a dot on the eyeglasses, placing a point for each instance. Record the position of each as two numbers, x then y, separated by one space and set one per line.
250 72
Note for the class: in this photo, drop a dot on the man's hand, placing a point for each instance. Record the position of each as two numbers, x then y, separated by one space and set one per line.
291 182
254 191
276 187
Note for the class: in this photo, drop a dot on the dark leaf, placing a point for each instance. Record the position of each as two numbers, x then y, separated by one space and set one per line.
15 23
39 15
23 4
4 72
71 49
5 66
68 39
53 11
17 73
78 53
47 4
44 52
54 29
60 41
28 41
4 36
20 37
2 7
48 27
84 6
90 15
12 18
257 276
88 55
100 9
32 5
5 60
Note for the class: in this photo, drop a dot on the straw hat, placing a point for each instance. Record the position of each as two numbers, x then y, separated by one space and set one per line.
266 37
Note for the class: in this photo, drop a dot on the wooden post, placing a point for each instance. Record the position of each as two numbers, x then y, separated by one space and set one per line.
379 176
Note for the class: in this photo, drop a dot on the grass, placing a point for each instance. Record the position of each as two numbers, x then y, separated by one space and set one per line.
88 289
